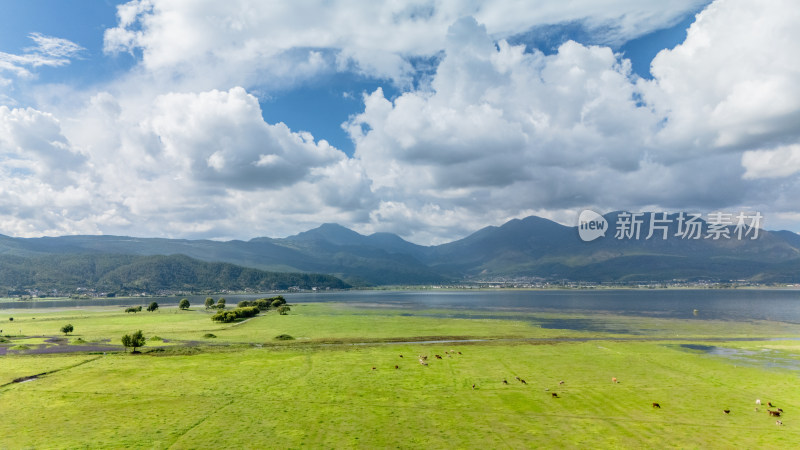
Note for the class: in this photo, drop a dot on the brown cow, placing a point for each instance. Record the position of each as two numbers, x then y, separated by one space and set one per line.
561 382
396 366
473 386
656 405
555 395
774 413
504 381
438 356
522 381
614 379
726 411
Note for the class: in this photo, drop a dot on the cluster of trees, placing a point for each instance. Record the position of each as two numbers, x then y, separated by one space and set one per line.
150 308
210 303
234 314
247 309
264 303
133 340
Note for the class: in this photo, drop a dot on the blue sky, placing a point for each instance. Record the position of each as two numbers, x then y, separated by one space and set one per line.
425 118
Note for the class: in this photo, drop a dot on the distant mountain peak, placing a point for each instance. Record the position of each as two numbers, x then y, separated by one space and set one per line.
331 232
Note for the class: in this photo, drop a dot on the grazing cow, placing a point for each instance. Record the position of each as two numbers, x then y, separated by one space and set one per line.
401 356
555 395
758 401
373 367
504 381
396 366
438 356
473 385
423 362
522 381
779 410
774 413
726 411
517 378
656 405
561 382
778 422
770 404
459 353
614 379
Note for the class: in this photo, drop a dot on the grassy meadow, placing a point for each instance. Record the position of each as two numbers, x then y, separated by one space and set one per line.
335 384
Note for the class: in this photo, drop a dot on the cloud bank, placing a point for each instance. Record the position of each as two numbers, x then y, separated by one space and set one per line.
178 146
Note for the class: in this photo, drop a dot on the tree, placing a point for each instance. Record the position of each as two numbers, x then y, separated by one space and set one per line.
134 309
283 310
184 304
67 329
277 303
209 303
153 306
134 340
221 303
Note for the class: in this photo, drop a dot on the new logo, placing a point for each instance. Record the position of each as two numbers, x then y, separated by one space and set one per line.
591 225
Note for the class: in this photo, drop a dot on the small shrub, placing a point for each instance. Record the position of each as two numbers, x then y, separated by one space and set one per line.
283 310
284 337
155 338
209 335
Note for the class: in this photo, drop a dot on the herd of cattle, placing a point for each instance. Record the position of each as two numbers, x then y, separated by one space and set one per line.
423 360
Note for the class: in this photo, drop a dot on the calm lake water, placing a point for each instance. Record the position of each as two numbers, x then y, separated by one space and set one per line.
725 304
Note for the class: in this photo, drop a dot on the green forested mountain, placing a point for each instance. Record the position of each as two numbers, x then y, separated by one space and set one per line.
70 273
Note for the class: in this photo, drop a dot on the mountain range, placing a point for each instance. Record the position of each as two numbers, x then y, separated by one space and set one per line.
532 247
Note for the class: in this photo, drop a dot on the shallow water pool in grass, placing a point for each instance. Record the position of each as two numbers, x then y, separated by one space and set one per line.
762 358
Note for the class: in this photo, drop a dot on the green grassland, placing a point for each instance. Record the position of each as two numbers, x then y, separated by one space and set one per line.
336 386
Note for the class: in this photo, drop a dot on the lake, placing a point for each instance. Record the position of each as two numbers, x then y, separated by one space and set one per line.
718 304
